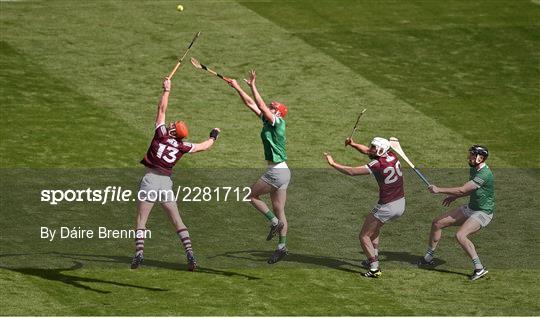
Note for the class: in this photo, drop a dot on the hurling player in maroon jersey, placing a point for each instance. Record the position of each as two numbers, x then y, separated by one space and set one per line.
386 169
166 148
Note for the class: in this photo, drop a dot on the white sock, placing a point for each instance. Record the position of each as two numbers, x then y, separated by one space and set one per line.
429 254
477 264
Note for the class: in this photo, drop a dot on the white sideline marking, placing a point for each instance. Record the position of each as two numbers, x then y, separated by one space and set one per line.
536 2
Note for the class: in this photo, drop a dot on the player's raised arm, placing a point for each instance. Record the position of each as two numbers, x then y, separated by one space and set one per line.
462 191
351 171
258 99
163 102
250 103
361 148
207 144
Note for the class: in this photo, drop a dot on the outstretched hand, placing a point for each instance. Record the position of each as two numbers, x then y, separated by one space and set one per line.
433 189
348 141
252 77
329 158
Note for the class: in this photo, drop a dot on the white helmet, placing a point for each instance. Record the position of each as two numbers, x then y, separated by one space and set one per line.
381 145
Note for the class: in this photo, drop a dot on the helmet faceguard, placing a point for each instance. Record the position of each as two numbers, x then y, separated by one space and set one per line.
381 146
480 152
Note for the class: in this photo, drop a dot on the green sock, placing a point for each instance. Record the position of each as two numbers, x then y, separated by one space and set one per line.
271 217
282 241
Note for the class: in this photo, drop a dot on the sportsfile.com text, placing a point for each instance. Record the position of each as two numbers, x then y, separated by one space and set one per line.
118 194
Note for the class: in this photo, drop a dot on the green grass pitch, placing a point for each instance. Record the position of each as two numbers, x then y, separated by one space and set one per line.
79 85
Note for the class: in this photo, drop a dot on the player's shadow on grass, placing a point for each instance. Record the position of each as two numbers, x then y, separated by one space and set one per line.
326 261
59 275
405 257
148 263
412 259
342 264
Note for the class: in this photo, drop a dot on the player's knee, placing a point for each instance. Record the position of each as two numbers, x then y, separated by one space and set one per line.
460 236
437 224
364 238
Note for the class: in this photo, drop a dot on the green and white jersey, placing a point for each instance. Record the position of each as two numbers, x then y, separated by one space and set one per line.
274 140
483 198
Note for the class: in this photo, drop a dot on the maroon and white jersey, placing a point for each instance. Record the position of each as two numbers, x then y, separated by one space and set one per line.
165 151
387 171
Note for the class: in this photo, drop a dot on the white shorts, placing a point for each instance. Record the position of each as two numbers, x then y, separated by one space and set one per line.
479 216
156 187
277 175
389 211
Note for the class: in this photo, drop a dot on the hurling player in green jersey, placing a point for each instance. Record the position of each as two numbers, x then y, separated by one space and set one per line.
470 217
276 178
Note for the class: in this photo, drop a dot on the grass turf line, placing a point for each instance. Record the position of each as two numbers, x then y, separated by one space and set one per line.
150 290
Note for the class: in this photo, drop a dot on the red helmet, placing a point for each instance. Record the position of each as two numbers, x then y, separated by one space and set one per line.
282 109
181 129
